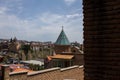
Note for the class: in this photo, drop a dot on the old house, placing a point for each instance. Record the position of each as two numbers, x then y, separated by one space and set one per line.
63 55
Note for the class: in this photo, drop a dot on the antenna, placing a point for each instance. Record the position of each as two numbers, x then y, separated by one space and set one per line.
62 27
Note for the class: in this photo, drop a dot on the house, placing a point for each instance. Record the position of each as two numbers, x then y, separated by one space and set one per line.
63 55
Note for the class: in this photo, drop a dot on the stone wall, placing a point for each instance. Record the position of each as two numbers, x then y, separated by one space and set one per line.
73 73
102 39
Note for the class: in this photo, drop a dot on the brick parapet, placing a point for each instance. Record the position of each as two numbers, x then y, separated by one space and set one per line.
73 72
18 75
68 68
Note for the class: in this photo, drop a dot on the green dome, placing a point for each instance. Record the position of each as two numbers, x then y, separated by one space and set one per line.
62 39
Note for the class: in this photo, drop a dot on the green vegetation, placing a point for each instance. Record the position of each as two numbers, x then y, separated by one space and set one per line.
35 67
27 53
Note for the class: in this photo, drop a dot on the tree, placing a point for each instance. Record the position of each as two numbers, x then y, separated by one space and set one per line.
26 49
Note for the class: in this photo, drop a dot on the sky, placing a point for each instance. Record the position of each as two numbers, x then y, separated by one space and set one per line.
41 20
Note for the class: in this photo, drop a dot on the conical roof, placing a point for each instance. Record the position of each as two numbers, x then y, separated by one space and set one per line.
62 39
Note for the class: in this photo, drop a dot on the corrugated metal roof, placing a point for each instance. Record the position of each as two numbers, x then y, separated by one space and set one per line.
62 39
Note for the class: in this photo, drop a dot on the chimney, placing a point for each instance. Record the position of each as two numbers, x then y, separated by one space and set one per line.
5 72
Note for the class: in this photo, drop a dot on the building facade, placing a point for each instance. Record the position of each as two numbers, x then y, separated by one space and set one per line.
64 56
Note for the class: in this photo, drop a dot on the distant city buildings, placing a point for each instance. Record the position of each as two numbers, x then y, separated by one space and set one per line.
21 47
33 56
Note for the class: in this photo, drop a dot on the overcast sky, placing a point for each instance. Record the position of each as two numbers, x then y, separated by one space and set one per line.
41 20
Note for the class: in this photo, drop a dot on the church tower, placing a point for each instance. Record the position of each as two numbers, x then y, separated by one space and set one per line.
62 44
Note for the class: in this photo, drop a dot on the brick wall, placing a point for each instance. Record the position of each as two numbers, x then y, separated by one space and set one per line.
79 59
5 72
48 74
18 76
102 39
62 48
73 73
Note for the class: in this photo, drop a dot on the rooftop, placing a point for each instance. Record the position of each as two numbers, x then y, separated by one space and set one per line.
33 62
23 69
62 39
58 56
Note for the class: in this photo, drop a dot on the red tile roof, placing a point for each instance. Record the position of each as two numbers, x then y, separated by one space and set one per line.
22 69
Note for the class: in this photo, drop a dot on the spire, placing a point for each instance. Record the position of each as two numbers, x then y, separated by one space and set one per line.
62 39
62 27
15 39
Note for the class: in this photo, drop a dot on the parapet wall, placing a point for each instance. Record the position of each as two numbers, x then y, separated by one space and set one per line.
69 73
72 73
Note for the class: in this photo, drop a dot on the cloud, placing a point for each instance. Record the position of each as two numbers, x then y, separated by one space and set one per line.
3 10
50 18
45 27
14 6
69 2
73 15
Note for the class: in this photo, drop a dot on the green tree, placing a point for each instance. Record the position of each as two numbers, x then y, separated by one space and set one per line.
26 49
